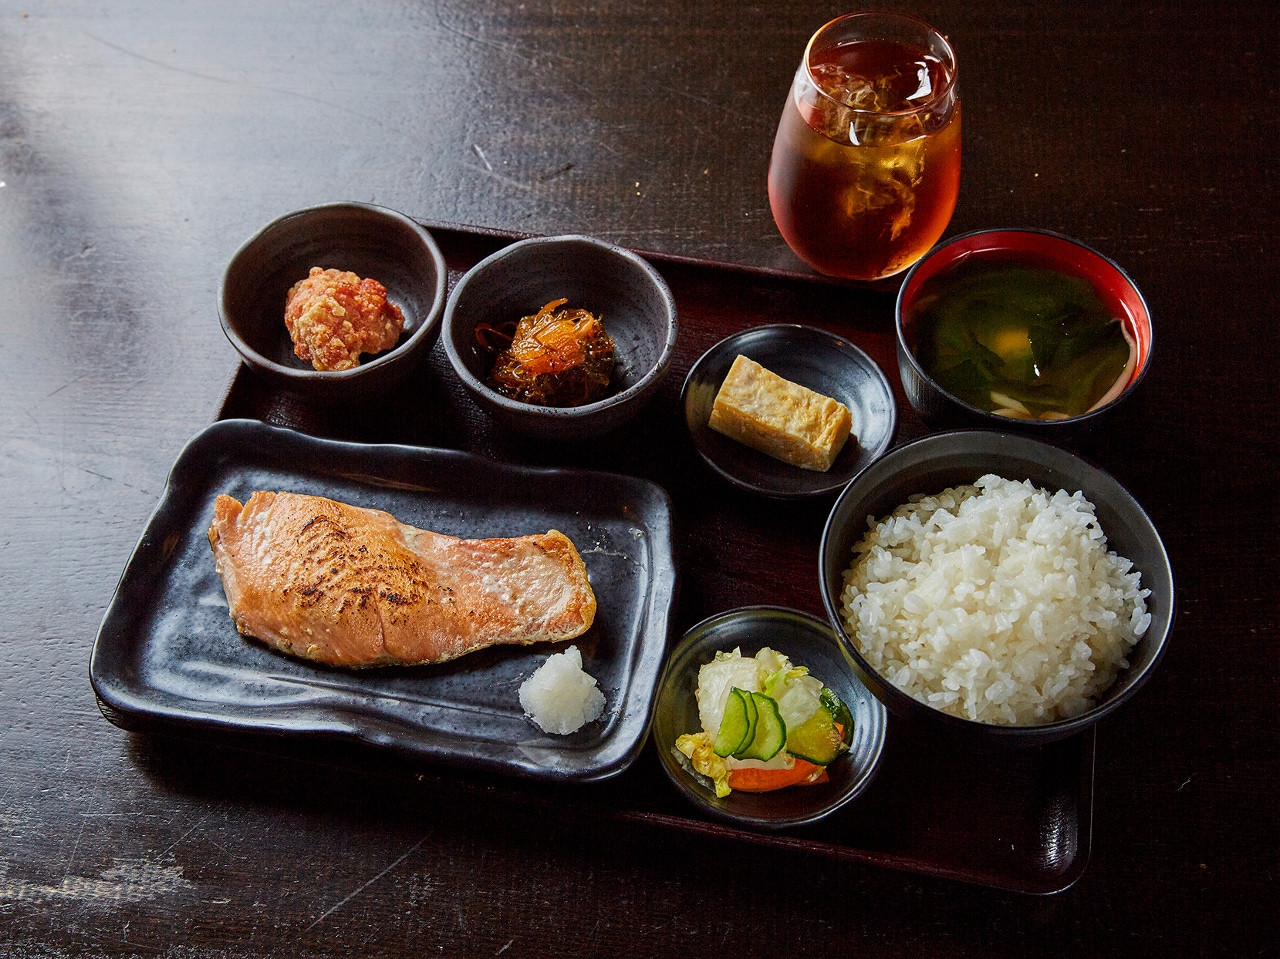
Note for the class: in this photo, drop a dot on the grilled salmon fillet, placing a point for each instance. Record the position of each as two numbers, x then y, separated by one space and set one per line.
346 586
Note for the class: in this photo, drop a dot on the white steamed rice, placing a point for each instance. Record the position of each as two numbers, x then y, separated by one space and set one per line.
997 602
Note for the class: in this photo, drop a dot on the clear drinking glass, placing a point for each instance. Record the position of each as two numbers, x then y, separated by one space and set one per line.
866 163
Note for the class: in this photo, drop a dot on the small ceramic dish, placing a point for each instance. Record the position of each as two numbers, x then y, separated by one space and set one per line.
816 359
805 641
1034 248
627 295
371 241
934 463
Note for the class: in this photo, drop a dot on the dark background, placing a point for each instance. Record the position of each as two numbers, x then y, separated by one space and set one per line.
140 144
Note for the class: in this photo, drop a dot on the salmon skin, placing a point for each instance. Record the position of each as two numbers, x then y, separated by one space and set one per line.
353 587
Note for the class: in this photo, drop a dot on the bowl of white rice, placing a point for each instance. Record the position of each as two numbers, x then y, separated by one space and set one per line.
996 586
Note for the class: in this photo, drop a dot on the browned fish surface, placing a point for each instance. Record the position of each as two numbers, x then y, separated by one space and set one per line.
347 586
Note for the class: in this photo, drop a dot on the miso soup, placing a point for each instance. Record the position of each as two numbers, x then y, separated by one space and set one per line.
1018 340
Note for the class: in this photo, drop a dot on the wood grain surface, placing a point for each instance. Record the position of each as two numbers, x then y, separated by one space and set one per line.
141 143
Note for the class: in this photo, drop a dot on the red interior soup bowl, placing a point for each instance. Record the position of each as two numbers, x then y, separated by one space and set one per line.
1021 330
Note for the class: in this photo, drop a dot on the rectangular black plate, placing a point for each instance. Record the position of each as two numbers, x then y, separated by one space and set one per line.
168 651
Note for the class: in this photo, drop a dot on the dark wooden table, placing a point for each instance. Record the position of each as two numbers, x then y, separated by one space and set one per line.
141 143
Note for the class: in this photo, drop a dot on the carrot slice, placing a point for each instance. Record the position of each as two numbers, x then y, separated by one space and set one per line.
750 780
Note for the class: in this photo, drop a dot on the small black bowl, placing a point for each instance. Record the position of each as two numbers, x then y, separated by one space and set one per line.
624 291
823 362
806 641
368 240
1040 248
942 460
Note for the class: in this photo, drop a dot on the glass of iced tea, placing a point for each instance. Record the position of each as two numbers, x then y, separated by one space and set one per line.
866 163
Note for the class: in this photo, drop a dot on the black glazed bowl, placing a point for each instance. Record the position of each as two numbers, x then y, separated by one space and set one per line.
627 294
368 240
806 641
943 410
932 464
816 359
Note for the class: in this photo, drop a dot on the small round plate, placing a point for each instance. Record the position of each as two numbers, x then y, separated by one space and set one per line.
814 358
807 641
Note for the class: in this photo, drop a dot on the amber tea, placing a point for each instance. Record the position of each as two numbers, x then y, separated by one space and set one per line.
866 163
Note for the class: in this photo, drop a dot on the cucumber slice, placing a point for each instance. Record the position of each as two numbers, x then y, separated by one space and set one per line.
770 732
816 739
737 726
753 717
841 713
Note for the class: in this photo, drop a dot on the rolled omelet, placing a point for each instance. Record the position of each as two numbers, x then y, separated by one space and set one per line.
782 419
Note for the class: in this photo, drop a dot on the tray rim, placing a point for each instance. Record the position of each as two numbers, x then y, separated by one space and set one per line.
1053 883
800 272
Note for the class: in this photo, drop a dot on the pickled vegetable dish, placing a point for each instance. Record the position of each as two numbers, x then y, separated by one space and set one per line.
555 357
766 724
1022 341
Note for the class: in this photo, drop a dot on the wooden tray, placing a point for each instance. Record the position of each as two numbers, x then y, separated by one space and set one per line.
1018 820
